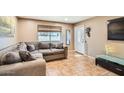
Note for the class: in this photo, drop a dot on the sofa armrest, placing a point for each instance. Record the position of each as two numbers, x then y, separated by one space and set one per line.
65 51
29 68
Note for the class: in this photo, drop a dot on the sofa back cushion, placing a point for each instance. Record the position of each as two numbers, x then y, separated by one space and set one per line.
52 45
57 45
44 45
10 58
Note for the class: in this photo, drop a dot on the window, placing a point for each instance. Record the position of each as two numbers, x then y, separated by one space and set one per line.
43 36
68 37
49 36
55 36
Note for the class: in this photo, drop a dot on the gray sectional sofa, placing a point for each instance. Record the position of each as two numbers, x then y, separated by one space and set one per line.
50 51
29 58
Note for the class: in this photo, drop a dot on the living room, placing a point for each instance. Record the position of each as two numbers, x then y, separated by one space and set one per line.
69 46
52 46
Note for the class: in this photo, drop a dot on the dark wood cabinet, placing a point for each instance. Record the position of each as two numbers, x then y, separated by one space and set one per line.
111 66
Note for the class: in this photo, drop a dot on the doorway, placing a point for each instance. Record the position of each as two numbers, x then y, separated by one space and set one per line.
80 40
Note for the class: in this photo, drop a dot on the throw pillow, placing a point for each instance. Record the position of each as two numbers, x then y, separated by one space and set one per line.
22 46
10 57
52 45
26 56
33 43
44 45
30 47
59 45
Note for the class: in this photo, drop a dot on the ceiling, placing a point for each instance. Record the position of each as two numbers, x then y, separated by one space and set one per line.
64 19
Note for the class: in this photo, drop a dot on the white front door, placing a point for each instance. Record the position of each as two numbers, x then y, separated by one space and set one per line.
80 40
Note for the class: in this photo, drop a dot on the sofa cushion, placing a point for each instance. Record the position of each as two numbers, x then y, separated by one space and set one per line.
30 47
37 55
45 52
26 56
44 45
35 51
59 45
52 45
10 57
56 45
57 51
22 46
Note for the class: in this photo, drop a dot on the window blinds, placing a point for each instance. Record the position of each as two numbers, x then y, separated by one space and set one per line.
48 28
